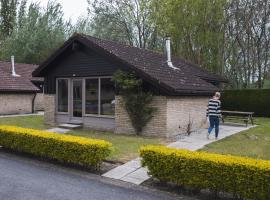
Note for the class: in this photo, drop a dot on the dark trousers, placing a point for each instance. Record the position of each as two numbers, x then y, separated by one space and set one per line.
214 123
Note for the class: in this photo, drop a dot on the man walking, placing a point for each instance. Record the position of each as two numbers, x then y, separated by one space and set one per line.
213 112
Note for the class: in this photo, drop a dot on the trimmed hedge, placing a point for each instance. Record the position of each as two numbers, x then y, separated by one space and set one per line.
256 100
245 177
63 148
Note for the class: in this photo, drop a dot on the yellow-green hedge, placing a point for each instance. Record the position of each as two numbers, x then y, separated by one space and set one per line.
63 148
245 177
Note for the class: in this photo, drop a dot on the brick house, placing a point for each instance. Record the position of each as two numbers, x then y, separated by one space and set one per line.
20 93
78 86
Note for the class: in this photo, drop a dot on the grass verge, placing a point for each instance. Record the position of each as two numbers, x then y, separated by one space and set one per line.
254 142
125 147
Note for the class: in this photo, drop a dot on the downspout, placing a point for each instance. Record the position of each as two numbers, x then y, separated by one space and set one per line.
33 103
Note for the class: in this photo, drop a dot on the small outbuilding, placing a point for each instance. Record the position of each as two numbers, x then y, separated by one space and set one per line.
78 87
20 93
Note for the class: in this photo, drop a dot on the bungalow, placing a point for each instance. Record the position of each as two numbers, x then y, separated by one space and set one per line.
20 93
78 86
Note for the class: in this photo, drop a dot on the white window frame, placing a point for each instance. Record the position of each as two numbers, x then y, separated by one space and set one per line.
99 99
63 113
84 114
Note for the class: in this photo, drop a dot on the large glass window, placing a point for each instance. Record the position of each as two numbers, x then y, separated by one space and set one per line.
62 99
91 96
107 97
99 96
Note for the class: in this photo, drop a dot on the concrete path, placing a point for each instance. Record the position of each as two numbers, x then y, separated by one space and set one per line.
132 171
198 140
58 130
22 115
27 179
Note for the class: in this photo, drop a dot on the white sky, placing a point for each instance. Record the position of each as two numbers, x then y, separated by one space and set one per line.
71 8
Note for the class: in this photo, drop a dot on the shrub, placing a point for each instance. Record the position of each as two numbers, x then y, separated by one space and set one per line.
63 148
244 177
247 100
136 101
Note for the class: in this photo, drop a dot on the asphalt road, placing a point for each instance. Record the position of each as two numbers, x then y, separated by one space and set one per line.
28 179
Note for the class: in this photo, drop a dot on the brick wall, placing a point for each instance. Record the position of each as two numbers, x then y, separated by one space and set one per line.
39 102
172 112
182 110
155 127
15 103
49 109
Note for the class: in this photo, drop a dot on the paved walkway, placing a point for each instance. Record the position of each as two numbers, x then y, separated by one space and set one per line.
132 171
58 130
22 115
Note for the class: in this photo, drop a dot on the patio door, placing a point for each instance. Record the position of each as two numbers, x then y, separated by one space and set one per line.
77 98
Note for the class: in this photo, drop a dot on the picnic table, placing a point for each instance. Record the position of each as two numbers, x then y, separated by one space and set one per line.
245 116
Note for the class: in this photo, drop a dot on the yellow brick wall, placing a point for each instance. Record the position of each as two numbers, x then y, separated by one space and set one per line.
49 109
182 110
39 102
155 127
15 103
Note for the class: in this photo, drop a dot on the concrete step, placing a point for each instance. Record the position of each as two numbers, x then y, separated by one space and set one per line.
70 126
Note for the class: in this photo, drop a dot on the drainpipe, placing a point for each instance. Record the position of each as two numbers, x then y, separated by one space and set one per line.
33 103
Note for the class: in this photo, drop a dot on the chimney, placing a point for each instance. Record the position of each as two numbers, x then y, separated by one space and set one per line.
168 52
13 72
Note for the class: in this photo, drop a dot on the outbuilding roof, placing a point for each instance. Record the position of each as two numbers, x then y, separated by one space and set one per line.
22 83
187 79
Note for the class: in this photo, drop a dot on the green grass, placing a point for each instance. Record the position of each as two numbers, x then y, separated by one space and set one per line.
34 122
125 147
266 84
254 142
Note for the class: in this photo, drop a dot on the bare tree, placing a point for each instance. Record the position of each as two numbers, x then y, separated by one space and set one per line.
247 42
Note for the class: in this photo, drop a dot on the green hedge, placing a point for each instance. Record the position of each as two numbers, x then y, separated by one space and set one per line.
257 101
63 148
245 177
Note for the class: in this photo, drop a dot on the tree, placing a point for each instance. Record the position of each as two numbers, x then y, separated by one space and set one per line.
196 28
127 21
7 16
247 38
38 33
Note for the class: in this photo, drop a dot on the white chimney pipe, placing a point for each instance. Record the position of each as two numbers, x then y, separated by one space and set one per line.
13 72
168 52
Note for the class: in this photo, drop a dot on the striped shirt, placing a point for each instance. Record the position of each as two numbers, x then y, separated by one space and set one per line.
213 108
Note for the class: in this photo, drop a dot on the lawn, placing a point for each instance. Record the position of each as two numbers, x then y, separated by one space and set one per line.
125 147
35 122
254 142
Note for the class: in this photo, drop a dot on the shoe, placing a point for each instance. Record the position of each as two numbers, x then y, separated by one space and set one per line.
207 135
216 138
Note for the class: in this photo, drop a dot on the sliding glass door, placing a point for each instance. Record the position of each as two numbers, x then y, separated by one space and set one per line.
77 98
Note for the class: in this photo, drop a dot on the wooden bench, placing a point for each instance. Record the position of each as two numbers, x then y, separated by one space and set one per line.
245 116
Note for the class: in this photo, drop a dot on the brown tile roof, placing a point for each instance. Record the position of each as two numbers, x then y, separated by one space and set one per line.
9 83
189 79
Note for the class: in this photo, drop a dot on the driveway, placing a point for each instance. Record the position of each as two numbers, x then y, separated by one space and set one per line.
27 179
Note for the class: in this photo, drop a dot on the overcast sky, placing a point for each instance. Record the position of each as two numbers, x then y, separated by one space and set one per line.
72 8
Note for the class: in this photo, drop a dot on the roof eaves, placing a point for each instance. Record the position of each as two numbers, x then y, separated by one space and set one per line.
166 88
38 71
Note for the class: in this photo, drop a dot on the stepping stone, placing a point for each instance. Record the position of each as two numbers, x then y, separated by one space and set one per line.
70 126
58 130
119 172
137 177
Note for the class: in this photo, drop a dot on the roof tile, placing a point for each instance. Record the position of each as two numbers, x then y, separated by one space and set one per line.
23 83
